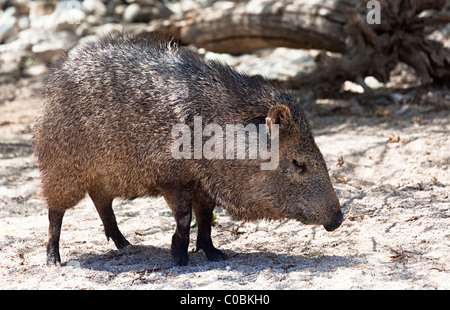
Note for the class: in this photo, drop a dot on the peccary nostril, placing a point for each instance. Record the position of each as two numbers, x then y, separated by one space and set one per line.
336 223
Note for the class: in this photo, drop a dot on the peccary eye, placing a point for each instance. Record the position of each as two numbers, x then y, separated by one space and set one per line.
300 166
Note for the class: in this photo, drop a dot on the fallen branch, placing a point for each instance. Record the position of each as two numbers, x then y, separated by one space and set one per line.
374 50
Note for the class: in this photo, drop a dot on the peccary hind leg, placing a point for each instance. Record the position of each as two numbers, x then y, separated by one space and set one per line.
103 204
203 207
55 218
182 211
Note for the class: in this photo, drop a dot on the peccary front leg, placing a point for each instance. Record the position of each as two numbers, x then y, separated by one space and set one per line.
103 204
203 207
55 218
182 211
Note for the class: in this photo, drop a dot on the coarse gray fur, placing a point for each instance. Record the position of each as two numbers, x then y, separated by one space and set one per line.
105 130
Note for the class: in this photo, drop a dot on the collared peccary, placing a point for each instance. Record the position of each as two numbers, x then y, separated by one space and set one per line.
106 131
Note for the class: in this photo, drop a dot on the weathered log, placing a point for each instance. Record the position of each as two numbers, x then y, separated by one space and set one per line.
255 24
332 25
374 50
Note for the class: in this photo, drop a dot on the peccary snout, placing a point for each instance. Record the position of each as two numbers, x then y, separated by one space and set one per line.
338 219
333 216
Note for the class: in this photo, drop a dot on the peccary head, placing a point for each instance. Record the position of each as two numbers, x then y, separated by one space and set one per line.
301 183
298 187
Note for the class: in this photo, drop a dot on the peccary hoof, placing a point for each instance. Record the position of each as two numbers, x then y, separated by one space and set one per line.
181 259
215 255
53 260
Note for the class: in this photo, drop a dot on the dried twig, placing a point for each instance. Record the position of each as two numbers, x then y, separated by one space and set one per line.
399 254
440 269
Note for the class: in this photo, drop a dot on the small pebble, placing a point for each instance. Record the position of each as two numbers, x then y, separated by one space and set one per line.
262 227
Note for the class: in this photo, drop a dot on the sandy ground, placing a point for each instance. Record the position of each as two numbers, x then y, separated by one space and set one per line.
391 174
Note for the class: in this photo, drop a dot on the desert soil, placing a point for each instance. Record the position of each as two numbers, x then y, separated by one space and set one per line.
390 169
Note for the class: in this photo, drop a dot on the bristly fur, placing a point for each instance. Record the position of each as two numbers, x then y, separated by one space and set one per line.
106 130
106 95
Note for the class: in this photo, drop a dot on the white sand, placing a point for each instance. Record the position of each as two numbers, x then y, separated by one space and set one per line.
396 235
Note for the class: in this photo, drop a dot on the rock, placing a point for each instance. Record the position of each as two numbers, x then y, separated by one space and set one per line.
10 11
67 18
120 9
12 59
138 13
181 7
88 39
143 2
28 37
261 226
133 12
47 51
35 70
352 87
8 24
41 14
9 66
275 64
95 7
163 11
41 8
83 30
108 29
67 38
16 46
23 22
94 20
372 82
21 6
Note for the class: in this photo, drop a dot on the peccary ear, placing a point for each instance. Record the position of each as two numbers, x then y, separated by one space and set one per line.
279 114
